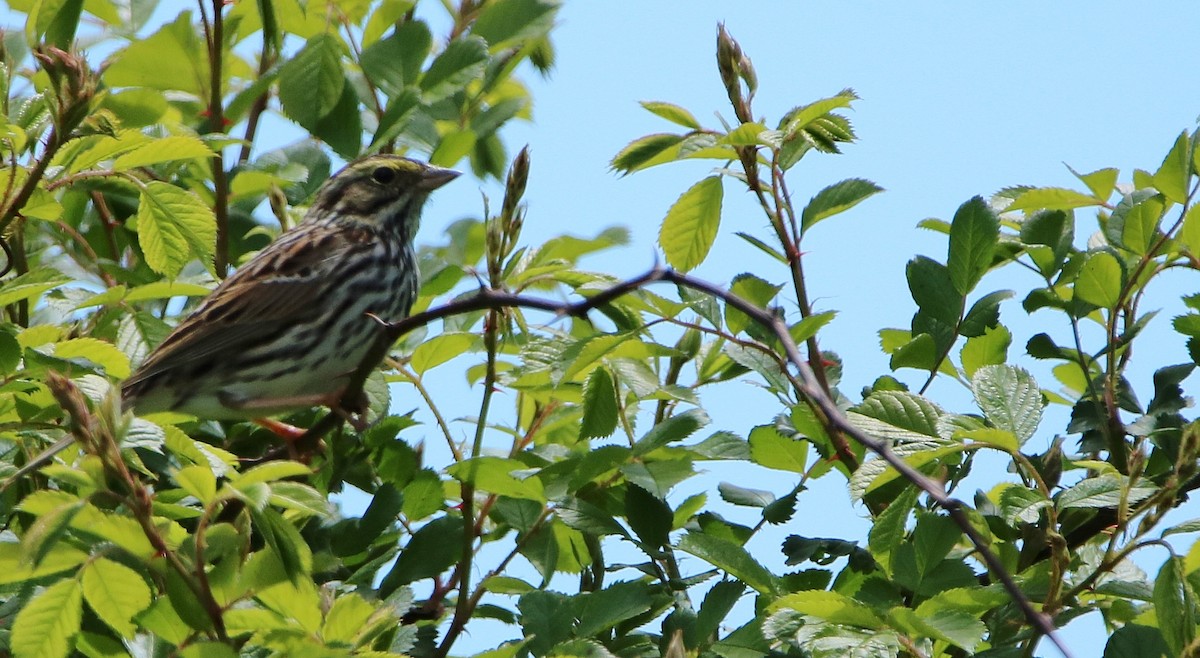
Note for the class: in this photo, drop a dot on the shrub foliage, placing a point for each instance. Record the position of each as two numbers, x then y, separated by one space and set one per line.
130 185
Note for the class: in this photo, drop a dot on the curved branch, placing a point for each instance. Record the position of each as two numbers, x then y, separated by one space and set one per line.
806 380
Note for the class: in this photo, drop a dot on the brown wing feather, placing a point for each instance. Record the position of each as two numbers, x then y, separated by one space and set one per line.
277 287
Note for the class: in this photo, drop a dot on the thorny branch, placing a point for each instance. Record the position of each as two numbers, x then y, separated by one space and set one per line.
809 386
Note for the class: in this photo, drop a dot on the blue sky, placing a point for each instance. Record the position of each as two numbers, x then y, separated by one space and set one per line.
958 99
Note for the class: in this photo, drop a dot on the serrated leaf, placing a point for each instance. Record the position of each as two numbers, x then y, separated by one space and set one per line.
311 82
752 289
116 593
731 558
1102 491
933 290
771 449
30 284
171 148
1174 174
673 113
499 476
440 349
46 627
676 428
198 481
744 496
1134 222
1009 398
1099 280
165 60
1101 182
1051 198
646 152
173 227
987 350
835 199
462 60
600 411
690 227
112 360
974 234
831 606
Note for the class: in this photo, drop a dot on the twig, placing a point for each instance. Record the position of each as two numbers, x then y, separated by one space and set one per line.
488 298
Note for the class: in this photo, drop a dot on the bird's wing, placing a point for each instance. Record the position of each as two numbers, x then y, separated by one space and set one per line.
281 286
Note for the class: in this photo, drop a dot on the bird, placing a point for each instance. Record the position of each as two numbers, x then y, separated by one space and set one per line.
289 328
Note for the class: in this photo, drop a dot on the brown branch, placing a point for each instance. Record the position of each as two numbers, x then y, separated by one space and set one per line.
490 299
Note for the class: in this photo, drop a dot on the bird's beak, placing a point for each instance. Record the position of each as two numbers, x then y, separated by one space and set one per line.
435 177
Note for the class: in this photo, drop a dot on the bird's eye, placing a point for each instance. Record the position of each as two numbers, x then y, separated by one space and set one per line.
383 175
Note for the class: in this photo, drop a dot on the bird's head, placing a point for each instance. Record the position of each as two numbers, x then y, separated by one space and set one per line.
384 191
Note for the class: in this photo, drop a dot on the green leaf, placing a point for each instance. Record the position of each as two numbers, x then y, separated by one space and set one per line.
116 593
1137 641
501 22
171 148
649 516
440 349
1009 398
347 618
974 234
198 481
462 60
933 289
424 495
902 409
990 349
1176 170
673 113
731 558
602 609
30 284
174 226
647 151
658 477
919 353
1101 182
752 289
831 606
432 550
763 246
589 519
743 496
835 199
1099 280
1022 504
600 412
166 60
285 542
10 353
1190 234
888 530
341 129
105 355
690 227
1134 222
53 22
46 627
676 428
984 314
395 62
498 475
1103 491
1051 198
272 471
311 82
771 449
1174 606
